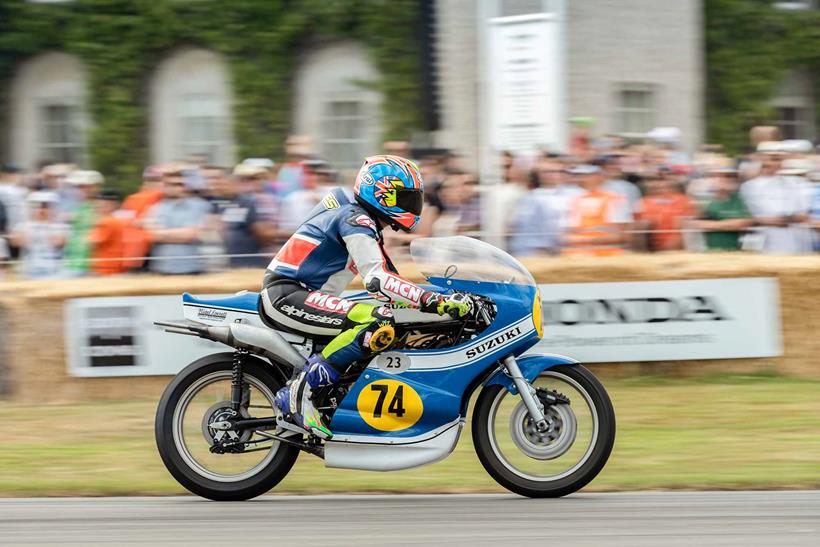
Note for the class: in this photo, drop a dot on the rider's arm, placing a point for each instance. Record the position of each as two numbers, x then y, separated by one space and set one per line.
359 236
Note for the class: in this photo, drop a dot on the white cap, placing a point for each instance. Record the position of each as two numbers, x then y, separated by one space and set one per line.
796 166
84 178
667 135
796 146
265 163
584 170
770 147
42 196
246 170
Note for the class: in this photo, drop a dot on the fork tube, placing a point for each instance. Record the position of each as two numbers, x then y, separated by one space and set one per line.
526 391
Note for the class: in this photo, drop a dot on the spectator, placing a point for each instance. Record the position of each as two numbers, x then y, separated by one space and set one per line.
398 148
249 223
136 240
536 225
615 182
664 210
78 248
12 195
40 238
107 237
297 205
175 225
779 205
470 217
452 200
598 220
499 199
815 218
725 217
555 187
291 174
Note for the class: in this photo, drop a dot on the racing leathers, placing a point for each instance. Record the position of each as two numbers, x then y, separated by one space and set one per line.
338 240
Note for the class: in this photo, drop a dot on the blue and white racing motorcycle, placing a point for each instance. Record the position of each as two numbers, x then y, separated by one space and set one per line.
542 425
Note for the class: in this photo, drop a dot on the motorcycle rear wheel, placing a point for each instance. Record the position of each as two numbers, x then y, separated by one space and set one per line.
489 436
178 459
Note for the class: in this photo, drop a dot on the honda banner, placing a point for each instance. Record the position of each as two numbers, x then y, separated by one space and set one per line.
662 320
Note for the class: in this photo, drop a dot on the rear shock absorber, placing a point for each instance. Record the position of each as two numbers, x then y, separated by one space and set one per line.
237 379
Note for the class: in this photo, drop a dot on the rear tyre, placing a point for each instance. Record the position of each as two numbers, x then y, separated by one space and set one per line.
177 456
489 438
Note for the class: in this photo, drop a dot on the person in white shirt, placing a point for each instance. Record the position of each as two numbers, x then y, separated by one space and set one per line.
780 206
40 238
615 182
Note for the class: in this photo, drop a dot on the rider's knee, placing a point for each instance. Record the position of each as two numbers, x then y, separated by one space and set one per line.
380 333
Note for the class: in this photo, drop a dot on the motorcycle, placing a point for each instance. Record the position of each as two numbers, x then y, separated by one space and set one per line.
542 424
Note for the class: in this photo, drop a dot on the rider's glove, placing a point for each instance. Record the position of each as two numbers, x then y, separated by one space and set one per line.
456 305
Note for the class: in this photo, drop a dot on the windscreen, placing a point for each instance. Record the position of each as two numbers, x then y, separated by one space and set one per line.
461 257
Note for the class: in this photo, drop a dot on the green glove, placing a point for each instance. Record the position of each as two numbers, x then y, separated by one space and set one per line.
456 305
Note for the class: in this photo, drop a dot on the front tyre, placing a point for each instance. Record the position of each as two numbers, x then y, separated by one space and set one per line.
547 464
199 395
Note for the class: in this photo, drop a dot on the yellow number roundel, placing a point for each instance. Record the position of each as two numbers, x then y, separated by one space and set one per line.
389 405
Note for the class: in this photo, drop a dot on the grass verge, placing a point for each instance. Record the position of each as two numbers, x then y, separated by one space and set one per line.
727 432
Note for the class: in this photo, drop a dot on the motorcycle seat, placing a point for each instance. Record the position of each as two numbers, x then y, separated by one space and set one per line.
243 301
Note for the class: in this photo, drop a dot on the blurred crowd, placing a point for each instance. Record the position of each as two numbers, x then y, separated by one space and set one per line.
605 196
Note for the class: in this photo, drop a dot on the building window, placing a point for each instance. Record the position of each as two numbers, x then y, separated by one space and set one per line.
61 133
48 117
191 101
794 106
635 109
510 8
203 127
336 104
794 123
344 140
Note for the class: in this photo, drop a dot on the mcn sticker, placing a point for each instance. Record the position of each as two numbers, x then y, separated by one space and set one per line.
389 405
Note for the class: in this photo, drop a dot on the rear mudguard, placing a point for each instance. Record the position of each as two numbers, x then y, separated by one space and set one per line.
531 366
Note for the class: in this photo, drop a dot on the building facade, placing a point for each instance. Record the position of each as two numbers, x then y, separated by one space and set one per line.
627 65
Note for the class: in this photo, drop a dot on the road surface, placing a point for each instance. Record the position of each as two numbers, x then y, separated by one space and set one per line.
623 519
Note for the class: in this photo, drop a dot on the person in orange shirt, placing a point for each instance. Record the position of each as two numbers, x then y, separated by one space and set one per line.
598 220
149 194
106 237
137 240
664 210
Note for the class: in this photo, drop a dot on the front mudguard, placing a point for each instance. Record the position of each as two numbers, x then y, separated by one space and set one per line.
531 366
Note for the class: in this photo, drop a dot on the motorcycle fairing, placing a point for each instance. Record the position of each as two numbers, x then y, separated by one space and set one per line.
440 377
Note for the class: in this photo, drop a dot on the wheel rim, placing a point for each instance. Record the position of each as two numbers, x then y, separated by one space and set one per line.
188 429
568 443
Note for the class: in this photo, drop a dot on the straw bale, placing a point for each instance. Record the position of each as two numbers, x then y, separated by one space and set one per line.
33 348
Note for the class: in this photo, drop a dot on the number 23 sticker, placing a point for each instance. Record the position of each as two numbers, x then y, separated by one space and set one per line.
389 405
393 362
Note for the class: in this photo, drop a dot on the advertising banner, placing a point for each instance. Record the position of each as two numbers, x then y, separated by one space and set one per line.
591 322
115 336
662 320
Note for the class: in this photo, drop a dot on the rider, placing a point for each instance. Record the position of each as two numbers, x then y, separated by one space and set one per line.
341 237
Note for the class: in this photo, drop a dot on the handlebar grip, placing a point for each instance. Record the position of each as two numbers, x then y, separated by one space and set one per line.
453 312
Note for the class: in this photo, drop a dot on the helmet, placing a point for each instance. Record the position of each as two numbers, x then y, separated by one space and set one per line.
391 188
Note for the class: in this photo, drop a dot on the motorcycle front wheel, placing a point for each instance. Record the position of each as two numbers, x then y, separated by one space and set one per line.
552 463
199 396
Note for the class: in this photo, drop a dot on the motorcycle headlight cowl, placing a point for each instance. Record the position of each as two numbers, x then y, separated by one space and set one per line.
536 313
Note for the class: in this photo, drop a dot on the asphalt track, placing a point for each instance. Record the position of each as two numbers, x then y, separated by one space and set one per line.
628 519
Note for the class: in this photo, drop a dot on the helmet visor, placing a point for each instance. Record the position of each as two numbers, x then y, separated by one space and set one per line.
410 201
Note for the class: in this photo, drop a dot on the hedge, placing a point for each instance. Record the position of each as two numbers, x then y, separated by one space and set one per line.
121 41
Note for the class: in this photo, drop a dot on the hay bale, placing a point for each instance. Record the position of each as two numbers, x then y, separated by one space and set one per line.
34 345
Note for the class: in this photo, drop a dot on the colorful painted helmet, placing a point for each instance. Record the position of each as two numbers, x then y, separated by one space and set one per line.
391 188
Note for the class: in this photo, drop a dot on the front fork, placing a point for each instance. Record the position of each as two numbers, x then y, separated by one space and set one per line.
510 367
